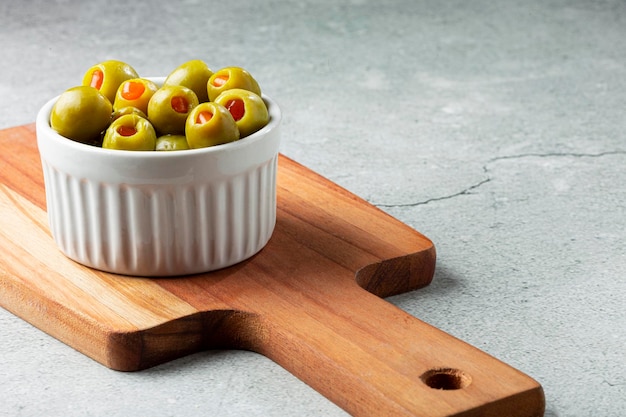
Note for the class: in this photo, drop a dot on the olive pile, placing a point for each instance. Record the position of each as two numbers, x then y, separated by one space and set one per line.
194 108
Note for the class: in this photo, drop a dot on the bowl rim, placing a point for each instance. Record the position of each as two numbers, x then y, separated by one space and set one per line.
43 125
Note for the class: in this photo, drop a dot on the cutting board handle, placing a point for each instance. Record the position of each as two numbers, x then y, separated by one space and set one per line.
373 359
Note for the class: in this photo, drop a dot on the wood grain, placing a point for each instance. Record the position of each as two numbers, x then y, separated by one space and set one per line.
311 300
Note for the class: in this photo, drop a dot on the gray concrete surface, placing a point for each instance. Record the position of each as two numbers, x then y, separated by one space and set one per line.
494 128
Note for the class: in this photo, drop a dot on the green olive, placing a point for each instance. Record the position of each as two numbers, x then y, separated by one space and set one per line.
127 110
130 132
231 77
194 75
210 124
81 114
135 92
247 108
171 143
168 108
107 77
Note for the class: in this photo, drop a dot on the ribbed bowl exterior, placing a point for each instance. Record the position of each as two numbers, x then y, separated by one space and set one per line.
162 231
163 213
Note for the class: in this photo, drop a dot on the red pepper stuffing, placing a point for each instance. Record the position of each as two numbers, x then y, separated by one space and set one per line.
180 104
203 117
237 108
97 77
132 90
126 130
220 80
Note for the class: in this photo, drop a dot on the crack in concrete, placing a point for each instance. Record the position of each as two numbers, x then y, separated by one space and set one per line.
613 384
445 197
555 154
469 189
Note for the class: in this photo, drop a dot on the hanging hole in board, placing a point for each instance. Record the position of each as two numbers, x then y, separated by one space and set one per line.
446 379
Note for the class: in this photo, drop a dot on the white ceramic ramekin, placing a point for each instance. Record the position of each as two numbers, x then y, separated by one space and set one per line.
160 213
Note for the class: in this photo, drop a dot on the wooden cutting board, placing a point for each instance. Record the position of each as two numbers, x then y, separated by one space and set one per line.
310 301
